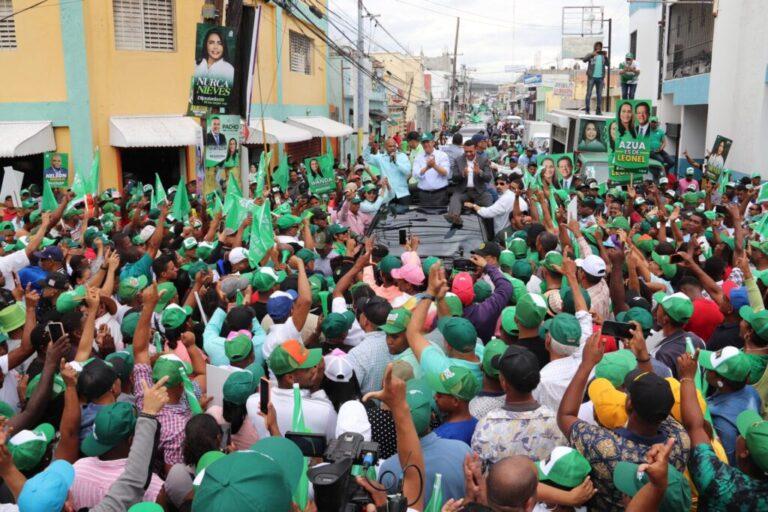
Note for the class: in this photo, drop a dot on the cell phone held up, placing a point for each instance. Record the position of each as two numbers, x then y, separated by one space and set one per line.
621 330
55 330
403 235
264 395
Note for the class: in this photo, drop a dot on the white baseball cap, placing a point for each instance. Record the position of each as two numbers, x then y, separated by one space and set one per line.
353 418
237 255
592 265
337 366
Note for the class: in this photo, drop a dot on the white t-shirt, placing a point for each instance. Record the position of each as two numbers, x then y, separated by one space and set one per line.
8 392
319 414
12 263
279 333
471 174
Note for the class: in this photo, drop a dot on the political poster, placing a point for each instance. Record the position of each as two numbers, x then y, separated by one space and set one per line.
715 161
630 135
563 165
320 174
223 136
214 77
56 168
591 136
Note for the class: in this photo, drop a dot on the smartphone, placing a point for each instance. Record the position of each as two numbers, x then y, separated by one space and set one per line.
403 237
264 395
721 209
311 445
55 330
618 329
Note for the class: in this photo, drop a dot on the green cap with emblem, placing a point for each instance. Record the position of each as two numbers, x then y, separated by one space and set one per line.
28 447
337 229
507 259
68 301
493 348
754 429
114 423
565 467
397 321
204 250
758 321
458 332
615 366
678 306
174 316
728 362
456 381
306 255
239 347
531 310
619 222
565 329
131 286
166 291
287 221
508 323
668 268
292 355
629 481
264 279
189 243
58 386
454 304
168 365
519 247
552 261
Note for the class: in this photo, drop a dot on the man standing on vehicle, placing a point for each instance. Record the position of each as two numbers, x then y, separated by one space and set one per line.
394 166
597 65
471 183
629 70
454 152
431 169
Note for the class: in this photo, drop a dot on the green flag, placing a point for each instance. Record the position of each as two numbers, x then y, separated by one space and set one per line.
436 499
280 176
189 392
79 186
93 177
261 173
301 493
262 237
48 203
762 196
233 193
234 184
159 195
237 213
181 207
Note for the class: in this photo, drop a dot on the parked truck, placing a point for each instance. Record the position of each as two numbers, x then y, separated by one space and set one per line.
538 133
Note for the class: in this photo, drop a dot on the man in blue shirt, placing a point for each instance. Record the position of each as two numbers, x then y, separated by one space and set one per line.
396 167
597 65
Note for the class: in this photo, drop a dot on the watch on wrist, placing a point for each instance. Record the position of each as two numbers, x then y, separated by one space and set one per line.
427 296
143 414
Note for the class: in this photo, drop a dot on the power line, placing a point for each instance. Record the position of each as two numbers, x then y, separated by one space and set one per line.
466 14
23 10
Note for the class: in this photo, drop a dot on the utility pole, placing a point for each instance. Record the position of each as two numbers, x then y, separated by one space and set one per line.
453 74
359 107
608 75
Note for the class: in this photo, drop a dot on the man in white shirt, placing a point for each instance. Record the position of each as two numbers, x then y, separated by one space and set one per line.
431 169
289 311
501 209
295 365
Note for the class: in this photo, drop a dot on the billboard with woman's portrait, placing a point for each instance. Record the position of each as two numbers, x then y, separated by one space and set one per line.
715 161
629 135
591 137
214 77
222 141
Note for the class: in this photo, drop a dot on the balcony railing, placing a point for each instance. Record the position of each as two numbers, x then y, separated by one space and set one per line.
689 43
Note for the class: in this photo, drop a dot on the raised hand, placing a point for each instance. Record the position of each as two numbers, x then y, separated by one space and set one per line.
155 396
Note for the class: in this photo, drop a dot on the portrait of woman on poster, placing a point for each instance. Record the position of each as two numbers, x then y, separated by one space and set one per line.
314 169
716 160
233 154
215 55
548 175
590 138
627 120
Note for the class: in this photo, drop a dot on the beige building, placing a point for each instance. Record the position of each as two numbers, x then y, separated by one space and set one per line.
409 106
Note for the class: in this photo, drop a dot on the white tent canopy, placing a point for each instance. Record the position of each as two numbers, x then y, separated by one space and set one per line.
153 131
22 138
320 126
276 132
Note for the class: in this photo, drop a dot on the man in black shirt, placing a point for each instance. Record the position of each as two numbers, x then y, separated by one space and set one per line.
529 314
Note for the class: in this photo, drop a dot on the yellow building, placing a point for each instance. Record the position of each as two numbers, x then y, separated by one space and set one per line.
409 107
115 74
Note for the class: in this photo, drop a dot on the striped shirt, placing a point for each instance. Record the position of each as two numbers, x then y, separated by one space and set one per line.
93 478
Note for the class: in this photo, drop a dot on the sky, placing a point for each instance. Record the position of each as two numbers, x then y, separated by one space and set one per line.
493 34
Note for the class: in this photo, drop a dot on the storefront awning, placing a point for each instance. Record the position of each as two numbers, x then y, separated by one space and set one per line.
153 131
277 132
378 115
22 138
320 126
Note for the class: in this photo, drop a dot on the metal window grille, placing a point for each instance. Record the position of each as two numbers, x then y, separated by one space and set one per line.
301 53
689 46
145 25
7 26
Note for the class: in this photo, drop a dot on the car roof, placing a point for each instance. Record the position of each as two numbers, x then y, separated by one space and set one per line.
437 237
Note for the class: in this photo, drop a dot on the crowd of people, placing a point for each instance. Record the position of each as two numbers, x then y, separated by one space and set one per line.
612 358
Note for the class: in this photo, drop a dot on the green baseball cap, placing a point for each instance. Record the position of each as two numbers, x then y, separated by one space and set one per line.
168 365
306 255
292 355
28 447
12 317
565 329
456 381
388 263
264 279
166 291
482 290
531 310
619 222
287 221
335 325
754 430
508 323
238 347
569 305
114 423
397 321
519 247
629 480
239 386
507 258
189 243
678 306
123 371
552 260
427 264
522 270
131 286
615 366
757 320
458 332
668 268
639 315
174 316
564 467
454 304
194 267
337 229
419 397
128 326
58 385
68 301
204 250
493 348
728 362
6 410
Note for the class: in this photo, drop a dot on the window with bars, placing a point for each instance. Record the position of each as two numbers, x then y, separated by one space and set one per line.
7 26
301 53
148 25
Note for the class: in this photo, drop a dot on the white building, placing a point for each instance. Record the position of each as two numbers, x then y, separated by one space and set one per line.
713 77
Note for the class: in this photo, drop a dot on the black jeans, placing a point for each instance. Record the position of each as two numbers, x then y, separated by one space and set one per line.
628 91
597 83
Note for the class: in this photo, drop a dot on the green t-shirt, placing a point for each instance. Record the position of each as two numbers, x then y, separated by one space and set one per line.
142 267
492 153
627 78
657 138
434 362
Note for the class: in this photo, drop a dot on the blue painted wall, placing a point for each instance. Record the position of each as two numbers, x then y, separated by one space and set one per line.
691 90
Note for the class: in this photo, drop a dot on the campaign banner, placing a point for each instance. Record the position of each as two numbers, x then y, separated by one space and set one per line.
214 77
223 136
630 134
715 161
563 165
320 174
591 136
56 168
